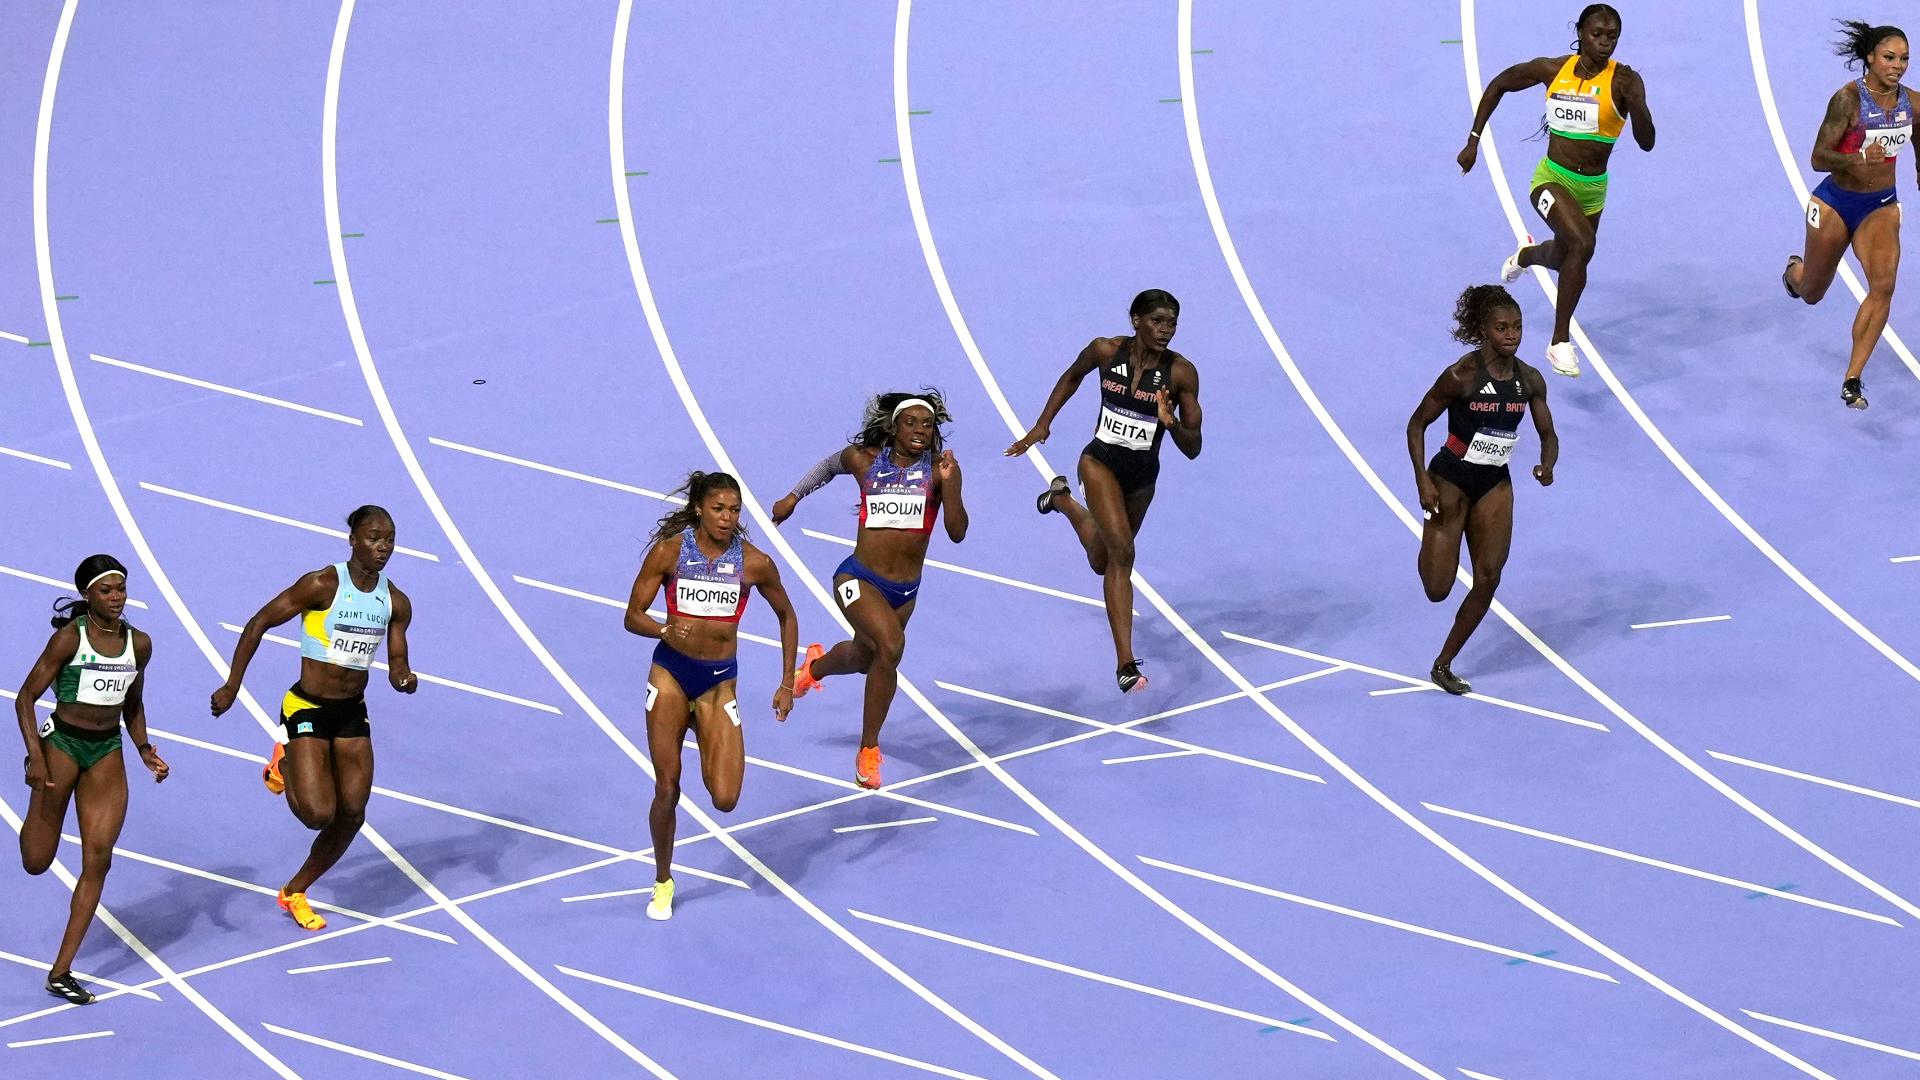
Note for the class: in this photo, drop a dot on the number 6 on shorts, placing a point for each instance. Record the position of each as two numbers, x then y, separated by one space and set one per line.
849 592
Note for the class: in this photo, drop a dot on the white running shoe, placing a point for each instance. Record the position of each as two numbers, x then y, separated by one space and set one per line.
660 908
1511 269
1564 360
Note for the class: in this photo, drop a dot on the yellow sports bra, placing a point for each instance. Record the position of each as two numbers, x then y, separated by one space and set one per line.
1583 108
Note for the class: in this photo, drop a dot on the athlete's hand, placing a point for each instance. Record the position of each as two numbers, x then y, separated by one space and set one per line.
404 681
1429 495
1874 154
1544 474
37 774
676 633
947 468
155 764
1035 436
1468 156
782 703
223 699
1164 402
783 509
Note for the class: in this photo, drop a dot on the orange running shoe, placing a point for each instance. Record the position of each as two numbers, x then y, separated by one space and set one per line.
803 679
866 768
270 775
295 904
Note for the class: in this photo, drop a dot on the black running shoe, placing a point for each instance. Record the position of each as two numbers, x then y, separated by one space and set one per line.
68 987
1854 393
1445 679
1130 678
1054 490
1784 282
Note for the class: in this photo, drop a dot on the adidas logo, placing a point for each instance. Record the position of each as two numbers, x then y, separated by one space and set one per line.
1119 369
1488 389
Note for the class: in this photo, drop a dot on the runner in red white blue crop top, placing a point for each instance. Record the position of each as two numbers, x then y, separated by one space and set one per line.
906 478
1466 488
1147 391
1868 125
701 557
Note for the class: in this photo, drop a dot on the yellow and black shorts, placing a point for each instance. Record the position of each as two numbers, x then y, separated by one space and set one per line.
306 716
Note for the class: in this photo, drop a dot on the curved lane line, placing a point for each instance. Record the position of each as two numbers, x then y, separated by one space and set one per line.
1763 82
1497 175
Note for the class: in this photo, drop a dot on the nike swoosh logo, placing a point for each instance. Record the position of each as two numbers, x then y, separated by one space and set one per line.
1886 200
722 671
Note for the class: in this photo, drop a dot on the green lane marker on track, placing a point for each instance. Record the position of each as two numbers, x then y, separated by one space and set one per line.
1541 953
1203 52
351 235
606 221
889 161
325 281
1450 41
641 172
1788 887
919 112
38 344
73 296
1169 101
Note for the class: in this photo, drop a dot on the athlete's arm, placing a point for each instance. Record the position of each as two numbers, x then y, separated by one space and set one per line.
763 575
1097 352
134 709
400 674
1447 389
646 585
311 593
1536 72
947 472
1543 424
1630 94
835 464
1841 110
59 647
1185 393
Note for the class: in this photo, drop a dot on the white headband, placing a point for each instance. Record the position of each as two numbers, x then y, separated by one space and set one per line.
910 403
95 580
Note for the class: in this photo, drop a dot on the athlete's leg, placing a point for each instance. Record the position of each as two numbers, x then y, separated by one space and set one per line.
1084 526
47 812
853 656
882 632
1567 253
1826 243
101 793
1489 536
1111 512
351 768
308 771
1877 243
1440 540
667 719
723 748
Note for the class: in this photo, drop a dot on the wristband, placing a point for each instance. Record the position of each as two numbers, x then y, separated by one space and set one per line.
143 747
1473 134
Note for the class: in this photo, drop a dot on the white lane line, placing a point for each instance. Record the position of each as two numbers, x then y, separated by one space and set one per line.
55 462
1380 920
340 966
981 574
27 961
14 337
848 785
930 253
886 824
1678 622
359 1053
1497 176
555 470
263 890
1392 690
160 489
1277 684
1871 793
1644 860
58 584
1148 757
1471 1075
233 390
1146 735
58 1039
608 601
1904 558
1092 976
41 704
437 680
784 1029
96 457
1411 682
1763 81
1826 1033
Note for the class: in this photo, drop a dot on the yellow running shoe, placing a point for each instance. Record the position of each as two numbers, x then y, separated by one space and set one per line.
803 679
270 775
295 904
660 908
866 767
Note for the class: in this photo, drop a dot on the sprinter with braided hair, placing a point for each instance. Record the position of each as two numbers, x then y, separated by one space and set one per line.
1466 488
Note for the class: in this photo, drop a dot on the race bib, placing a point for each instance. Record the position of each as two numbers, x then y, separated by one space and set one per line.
706 599
849 592
896 511
105 683
1573 114
1126 430
1491 447
353 646
1890 139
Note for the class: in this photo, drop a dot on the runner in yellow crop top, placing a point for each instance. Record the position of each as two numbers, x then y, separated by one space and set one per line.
1590 98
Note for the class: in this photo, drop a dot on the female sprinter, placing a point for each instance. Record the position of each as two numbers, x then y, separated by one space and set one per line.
97 665
1589 99
1465 488
905 479
1146 391
325 768
1869 122
700 553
